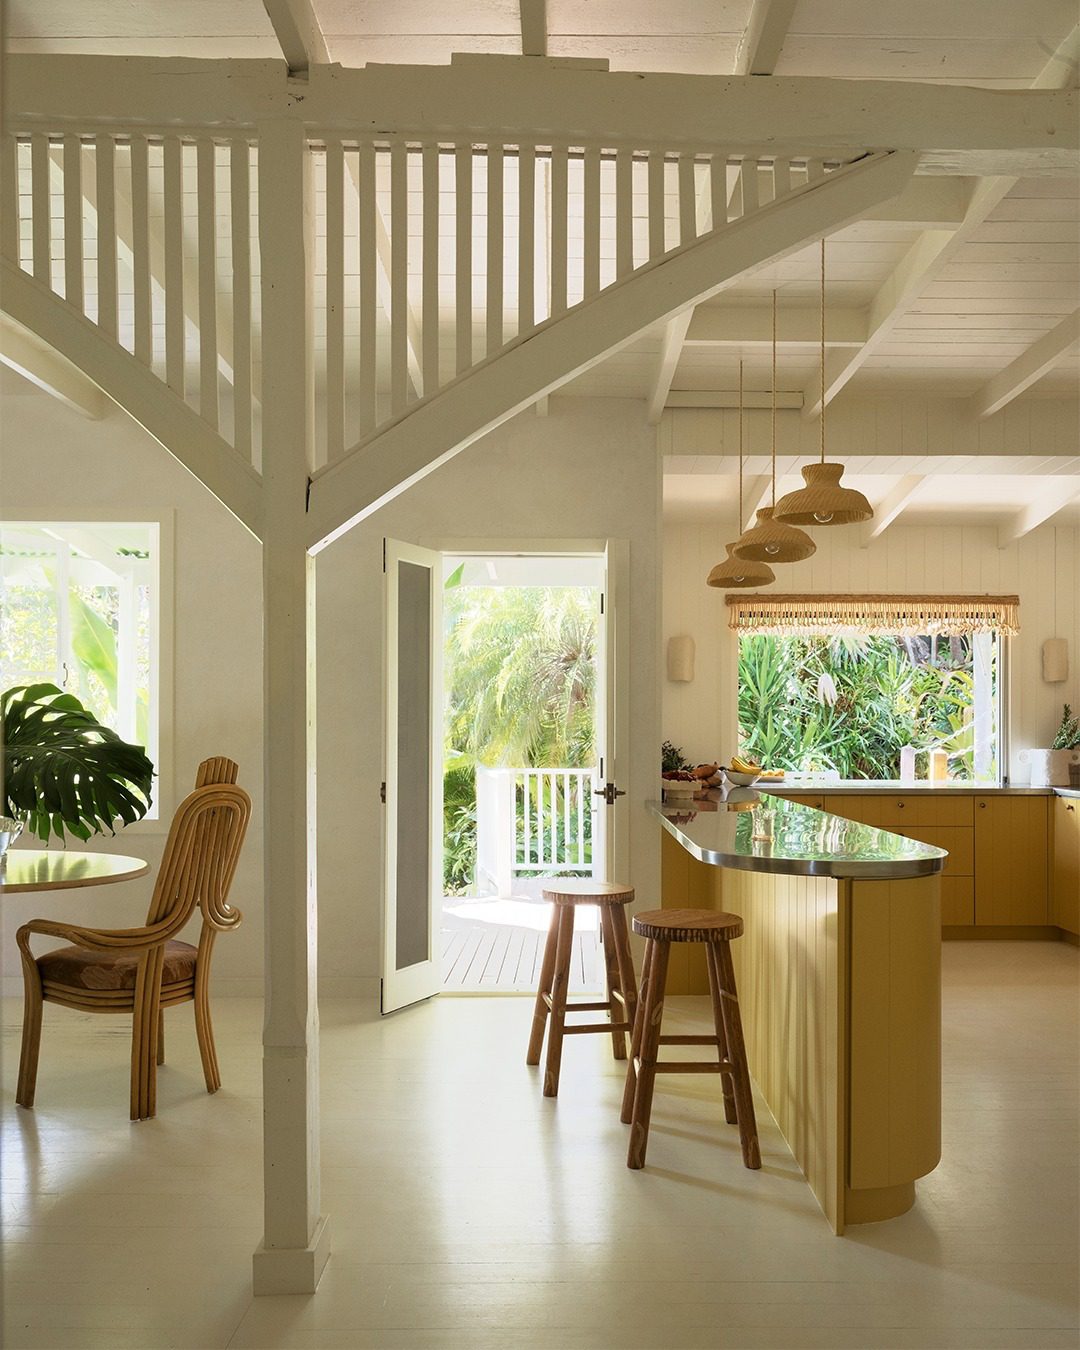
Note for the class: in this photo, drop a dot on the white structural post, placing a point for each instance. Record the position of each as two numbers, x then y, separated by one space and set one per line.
296 1238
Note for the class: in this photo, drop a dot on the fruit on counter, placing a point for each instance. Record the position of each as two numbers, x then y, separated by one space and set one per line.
771 775
678 776
705 770
744 765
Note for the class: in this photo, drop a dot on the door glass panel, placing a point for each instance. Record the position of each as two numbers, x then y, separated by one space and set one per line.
413 765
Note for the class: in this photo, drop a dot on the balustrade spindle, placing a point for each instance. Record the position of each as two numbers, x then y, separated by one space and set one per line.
687 200
175 355
368 297
399 277
493 325
463 233
748 177
205 165
142 299
526 239
41 208
624 212
781 177
430 269
559 259
240 208
73 222
105 188
335 297
9 198
657 203
591 215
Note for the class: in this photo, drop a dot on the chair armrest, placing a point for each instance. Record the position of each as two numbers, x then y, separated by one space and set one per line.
96 939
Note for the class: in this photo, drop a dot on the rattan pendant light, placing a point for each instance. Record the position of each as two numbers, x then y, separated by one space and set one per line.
736 572
823 501
771 540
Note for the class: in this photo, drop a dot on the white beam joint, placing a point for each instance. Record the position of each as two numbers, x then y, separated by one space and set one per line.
670 351
763 40
44 367
534 28
890 509
298 33
1028 367
1063 493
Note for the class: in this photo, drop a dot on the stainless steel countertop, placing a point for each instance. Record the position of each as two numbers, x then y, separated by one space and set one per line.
805 842
921 789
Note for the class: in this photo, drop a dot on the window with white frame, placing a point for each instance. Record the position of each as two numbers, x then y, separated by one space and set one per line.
79 608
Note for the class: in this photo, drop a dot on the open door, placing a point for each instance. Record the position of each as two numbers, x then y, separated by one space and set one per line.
412 790
611 841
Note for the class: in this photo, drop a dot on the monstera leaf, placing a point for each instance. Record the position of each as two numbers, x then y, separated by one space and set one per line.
64 771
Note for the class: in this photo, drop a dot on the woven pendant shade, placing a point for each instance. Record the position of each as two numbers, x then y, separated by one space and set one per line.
823 501
734 572
772 541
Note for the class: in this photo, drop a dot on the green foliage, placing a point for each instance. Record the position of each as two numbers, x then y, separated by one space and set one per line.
63 770
672 758
1068 734
459 826
849 704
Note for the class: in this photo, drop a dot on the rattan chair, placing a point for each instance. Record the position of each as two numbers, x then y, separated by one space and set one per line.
142 971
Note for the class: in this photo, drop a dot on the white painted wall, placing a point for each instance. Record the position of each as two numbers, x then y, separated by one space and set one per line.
1043 568
588 470
57 464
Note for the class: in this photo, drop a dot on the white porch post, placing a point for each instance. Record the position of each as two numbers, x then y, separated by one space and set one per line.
296 1239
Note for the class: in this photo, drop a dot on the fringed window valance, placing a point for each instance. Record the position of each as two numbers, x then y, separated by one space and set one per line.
884 615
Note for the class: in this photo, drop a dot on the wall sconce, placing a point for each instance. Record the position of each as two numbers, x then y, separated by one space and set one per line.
1055 660
680 659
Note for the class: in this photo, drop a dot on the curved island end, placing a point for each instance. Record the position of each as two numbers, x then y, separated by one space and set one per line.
839 976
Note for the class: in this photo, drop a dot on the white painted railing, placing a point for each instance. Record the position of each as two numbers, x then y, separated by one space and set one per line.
437 257
553 820
154 240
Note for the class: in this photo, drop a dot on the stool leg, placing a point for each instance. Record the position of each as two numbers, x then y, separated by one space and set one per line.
627 983
614 981
630 1086
730 1113
540 1009
563 952
650 1046
744 1100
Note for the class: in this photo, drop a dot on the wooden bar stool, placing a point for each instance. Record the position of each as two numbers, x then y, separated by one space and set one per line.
662 927
566 894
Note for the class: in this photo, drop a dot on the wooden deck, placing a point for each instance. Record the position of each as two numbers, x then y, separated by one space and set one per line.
482 955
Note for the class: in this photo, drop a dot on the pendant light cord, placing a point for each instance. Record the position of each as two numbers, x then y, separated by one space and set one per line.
822 419
774 400
741 522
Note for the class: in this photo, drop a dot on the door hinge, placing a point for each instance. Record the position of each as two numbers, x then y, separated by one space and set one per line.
601 602
382 793
609 792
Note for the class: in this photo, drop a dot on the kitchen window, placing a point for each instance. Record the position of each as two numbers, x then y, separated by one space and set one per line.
882 688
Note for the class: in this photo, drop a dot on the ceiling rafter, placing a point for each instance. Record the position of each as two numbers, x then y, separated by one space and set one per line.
761 44
41 365
1062 493
891 508
1029 367
929 254
299 35
534 27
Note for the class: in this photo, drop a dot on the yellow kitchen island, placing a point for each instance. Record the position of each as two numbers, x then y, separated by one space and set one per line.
839 976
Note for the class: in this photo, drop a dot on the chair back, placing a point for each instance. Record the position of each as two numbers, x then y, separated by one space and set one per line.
202 851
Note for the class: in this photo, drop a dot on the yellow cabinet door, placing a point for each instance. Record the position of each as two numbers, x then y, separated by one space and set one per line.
1012 841
1065 910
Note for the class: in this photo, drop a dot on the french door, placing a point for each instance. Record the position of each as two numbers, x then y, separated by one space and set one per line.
412 787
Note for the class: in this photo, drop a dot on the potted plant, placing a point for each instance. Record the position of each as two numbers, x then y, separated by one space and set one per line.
1050 766
64 771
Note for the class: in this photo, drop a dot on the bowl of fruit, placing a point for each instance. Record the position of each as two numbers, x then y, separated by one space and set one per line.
745 773
678 785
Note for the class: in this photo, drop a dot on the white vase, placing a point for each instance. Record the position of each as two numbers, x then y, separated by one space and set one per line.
1050 768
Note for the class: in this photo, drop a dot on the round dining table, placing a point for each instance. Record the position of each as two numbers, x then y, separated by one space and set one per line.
42 869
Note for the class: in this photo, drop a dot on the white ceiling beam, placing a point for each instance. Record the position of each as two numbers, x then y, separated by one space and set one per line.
1064 492
929 254
729 398
890 509
298 33
534 29
1029 367
751 326
955 129
762 42
667 363
375 472
928 202
22 352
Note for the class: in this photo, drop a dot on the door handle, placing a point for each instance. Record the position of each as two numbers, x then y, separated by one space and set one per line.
609 792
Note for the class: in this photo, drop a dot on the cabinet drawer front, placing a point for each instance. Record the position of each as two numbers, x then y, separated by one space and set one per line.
1065 911
1011 860
959 842
889 811
958 901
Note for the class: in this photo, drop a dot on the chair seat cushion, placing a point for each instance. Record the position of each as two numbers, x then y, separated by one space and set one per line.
81 969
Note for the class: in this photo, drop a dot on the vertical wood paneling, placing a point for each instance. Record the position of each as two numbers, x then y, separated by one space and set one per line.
559 249
366 244
41 208
175 355
463 195
140 251
73 222
399 277
495 231
205 161
105 186
429 301
526 238
335 297
240 212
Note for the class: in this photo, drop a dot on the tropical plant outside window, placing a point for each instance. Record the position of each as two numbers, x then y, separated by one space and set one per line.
79 609
847 705
520 669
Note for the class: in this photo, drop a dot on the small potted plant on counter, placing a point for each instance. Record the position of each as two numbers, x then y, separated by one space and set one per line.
1065 751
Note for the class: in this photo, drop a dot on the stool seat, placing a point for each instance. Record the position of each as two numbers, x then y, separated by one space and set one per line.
565 894
688 925
715 930
585 891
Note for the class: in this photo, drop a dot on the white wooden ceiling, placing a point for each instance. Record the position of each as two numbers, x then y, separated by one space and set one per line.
1015 278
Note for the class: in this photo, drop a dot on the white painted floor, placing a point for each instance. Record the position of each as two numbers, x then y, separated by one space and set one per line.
469 1212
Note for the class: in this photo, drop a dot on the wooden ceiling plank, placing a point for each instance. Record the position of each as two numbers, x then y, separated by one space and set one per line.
298 33
743 325
1029 367
761 44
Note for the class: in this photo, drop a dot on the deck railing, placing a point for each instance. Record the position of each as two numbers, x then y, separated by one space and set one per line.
531 822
